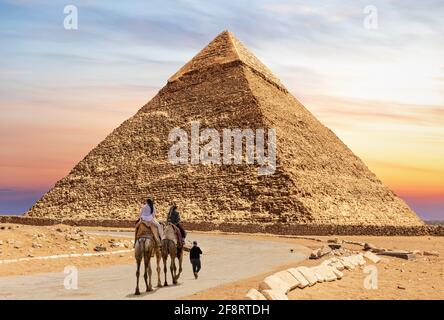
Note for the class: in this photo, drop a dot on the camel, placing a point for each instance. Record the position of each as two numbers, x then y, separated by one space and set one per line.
146 247
169 247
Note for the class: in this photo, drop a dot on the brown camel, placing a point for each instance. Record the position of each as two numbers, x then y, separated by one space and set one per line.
146 247
170 248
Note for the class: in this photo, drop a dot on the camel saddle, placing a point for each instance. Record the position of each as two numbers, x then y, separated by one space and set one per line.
178 235
144 232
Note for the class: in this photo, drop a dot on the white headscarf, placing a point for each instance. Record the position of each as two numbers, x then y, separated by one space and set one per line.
146 214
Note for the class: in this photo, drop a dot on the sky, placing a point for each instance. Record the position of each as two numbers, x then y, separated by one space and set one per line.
381 90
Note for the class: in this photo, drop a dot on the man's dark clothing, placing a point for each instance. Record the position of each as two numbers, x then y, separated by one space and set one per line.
195 253
174 216
196 265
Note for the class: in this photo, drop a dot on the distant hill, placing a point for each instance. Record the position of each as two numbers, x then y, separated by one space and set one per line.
11 214
434 222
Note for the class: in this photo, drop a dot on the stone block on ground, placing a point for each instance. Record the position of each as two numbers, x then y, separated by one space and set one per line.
339 275
372 257
324 273
327 262
357 243
99 248
308 274
356 260
315 254
335 240
431 253
330 274
325 250
273 282
353 260
338 265
399 254
274 294
335 246
254 294
320 252
346 263
299 277
369 246
360 259
319 274
288 278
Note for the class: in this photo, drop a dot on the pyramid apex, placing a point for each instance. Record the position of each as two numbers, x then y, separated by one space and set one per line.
228 33
225 48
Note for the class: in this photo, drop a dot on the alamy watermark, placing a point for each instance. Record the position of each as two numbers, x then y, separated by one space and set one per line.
71 21
371 19
226 150
371 280
70 282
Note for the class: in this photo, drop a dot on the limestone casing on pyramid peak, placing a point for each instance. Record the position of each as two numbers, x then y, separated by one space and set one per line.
226 48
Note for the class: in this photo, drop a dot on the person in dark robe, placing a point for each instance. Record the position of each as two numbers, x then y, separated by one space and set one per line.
174 218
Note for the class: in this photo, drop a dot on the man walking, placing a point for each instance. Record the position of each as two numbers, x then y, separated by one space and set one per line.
195 253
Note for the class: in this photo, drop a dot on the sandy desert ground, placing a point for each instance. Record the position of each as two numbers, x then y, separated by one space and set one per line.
23 241
421 278
226 258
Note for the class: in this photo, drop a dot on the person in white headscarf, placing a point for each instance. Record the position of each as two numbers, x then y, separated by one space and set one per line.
148 214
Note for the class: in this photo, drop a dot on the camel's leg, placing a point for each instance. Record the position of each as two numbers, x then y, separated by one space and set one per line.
173 251
158 258
138 261
165 253
137 292
180 257
150 272
146 262
165 260
165 284
172 264
173 270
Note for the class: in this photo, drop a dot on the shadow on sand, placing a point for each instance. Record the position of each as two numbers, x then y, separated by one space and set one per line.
148 293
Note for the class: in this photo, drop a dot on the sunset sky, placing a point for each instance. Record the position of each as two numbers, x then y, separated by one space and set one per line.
380 90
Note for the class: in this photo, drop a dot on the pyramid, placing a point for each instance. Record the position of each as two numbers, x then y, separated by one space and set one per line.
317 179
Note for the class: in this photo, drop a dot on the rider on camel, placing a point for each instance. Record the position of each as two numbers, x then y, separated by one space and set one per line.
174 218
148 214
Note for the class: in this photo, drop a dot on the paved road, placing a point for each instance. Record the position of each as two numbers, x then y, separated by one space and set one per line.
226 258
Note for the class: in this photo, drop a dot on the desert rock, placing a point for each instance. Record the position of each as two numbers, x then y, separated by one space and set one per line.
299 277
288 278
431 253
308 275
99 248
372 257
274 282
274 295
253 294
